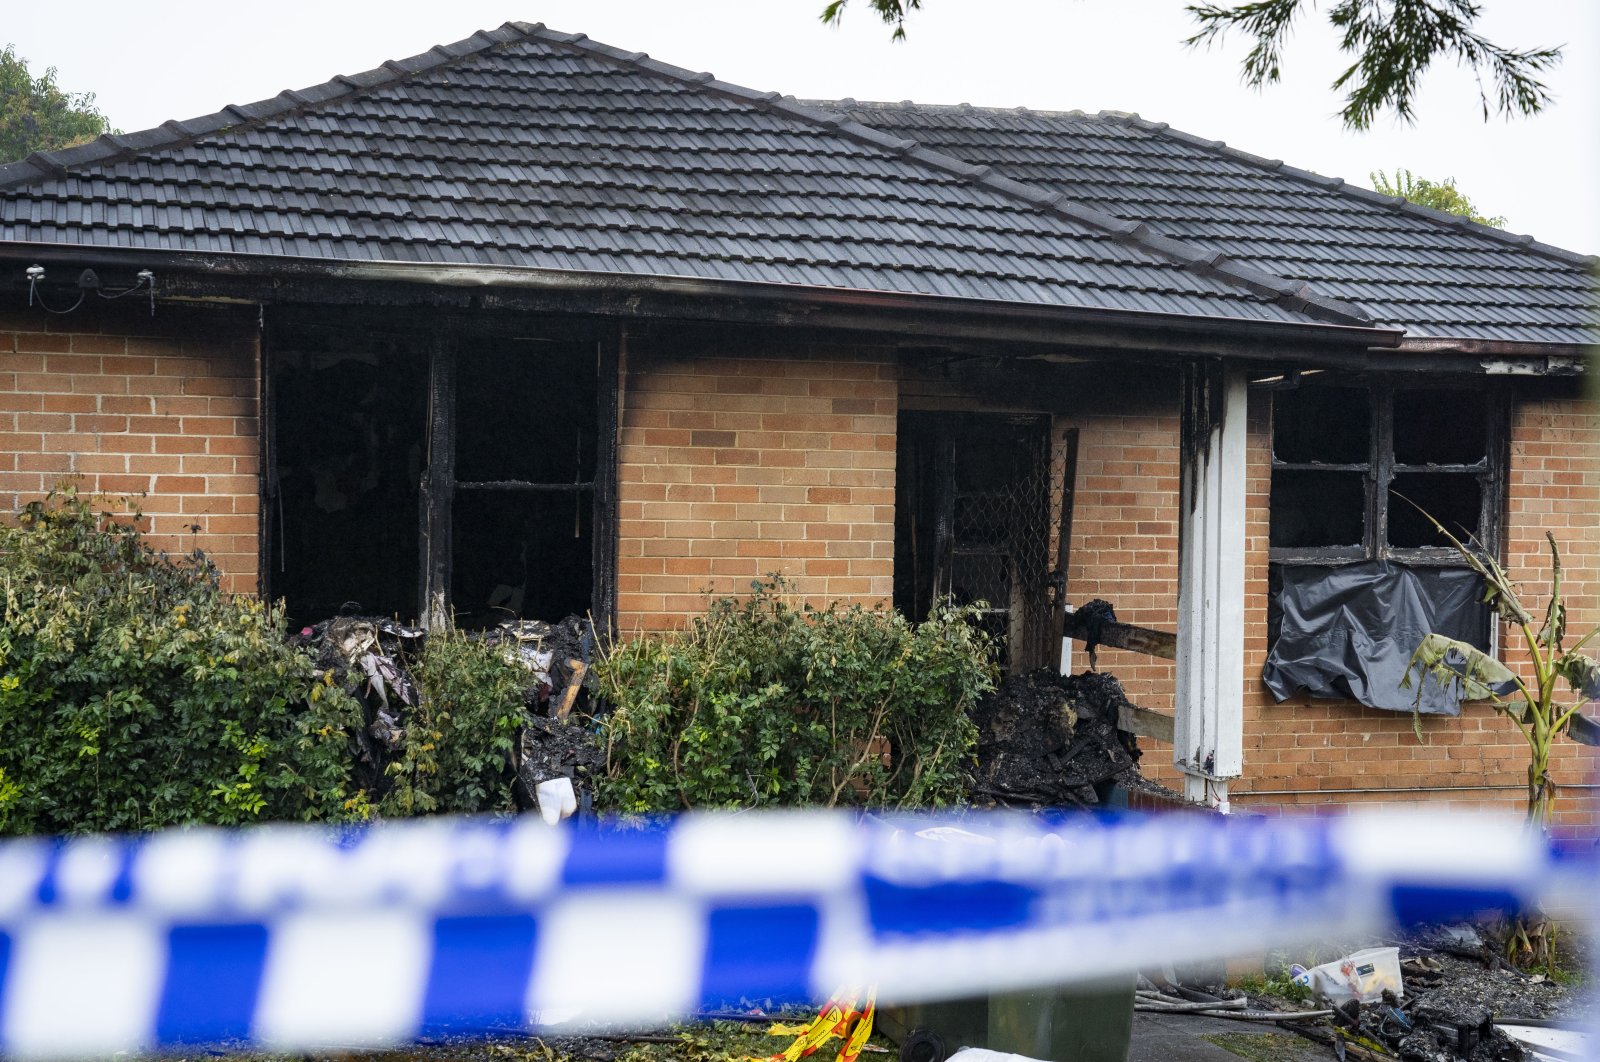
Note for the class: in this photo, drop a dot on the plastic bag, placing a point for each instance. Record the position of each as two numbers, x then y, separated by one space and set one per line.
1363 975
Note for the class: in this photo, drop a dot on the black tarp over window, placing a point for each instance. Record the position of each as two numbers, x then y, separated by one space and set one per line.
1348 631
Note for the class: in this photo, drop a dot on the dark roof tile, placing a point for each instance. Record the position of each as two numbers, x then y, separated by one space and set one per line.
1434 274
528 147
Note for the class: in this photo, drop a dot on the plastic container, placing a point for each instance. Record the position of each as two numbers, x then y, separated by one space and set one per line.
1363 975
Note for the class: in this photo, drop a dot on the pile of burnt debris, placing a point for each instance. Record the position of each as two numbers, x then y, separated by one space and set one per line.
371 658
1050 740
1454 998
1427 1030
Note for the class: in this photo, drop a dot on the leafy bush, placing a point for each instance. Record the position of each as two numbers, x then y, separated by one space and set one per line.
456 752
135 694
760 703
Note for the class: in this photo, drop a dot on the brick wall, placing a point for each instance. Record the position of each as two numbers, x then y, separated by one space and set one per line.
1311 748
741 458
1298 753
1124 549
160 408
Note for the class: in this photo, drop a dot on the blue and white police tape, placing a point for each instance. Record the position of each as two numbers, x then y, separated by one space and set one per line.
300 937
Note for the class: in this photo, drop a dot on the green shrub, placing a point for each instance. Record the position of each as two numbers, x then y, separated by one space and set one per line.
135 694
456 753
760 703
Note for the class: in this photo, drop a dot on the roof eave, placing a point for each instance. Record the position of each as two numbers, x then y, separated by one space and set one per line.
788 303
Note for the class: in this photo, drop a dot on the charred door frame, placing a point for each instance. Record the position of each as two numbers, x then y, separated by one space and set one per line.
439 482
1041 626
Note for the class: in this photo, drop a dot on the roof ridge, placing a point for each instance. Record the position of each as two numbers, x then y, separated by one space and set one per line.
1220 147
909 105
1291 294
109 147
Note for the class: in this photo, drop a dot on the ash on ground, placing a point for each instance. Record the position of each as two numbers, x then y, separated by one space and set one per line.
1049 740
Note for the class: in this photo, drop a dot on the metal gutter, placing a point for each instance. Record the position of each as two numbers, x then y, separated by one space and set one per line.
219 275
1501 357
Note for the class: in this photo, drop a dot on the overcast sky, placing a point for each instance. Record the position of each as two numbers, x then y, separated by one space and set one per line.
179 58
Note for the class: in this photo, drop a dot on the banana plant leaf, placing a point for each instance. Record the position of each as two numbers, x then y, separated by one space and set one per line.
1477 675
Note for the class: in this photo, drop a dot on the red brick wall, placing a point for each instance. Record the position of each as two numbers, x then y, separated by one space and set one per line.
1311 748
740 458
161 408
1124 549
1299 752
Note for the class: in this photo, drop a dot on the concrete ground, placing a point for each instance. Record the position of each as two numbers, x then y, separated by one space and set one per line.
1196 1038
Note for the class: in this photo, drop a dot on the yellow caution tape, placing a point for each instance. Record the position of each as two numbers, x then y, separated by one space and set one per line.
837 1018
862 1031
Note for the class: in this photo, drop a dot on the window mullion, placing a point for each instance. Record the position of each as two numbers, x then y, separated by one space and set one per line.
1382 473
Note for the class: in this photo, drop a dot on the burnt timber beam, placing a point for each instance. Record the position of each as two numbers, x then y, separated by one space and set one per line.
438 482
1145 722
1163 644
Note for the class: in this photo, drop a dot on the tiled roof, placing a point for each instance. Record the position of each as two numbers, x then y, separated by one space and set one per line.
1435 274
525 147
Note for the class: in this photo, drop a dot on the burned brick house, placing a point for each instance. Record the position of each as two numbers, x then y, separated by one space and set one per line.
528 325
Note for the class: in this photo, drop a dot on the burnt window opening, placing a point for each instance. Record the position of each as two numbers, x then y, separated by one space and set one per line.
525 461
438 470
348 429
972 511
1339 499
1334 500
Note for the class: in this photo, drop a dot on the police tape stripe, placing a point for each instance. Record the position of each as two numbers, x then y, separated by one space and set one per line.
305 938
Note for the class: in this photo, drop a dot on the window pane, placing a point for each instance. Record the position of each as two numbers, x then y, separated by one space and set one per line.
349 428
1440 427
1453 498
1328 425
525 410
521 555
1312 508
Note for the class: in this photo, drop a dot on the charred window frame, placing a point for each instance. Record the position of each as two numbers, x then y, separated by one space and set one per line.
412 366
1343 448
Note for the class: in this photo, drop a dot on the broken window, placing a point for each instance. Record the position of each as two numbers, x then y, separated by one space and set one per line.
1358 574
525 462
424 465
347 436
972 521
1346 458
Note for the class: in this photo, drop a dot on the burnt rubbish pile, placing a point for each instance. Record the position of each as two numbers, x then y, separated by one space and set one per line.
1049 740
1428 1030
373 659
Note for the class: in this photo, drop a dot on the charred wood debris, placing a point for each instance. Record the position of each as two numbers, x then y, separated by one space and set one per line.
370 658
1457 1000
1045 740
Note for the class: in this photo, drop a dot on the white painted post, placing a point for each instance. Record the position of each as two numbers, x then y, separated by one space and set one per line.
1209 728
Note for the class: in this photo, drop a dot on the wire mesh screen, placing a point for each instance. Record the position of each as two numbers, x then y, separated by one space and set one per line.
973 522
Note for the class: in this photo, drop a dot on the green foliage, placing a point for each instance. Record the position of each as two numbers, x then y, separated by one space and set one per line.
761 703
1538 708
455 755
36 115
1275 980
892 12
1439 195
1393 42
135 694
